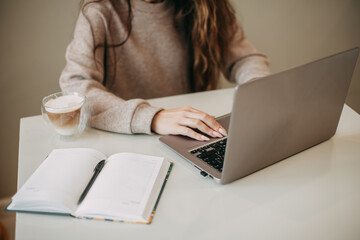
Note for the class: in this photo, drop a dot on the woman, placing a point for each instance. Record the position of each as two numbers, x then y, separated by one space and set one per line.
126 51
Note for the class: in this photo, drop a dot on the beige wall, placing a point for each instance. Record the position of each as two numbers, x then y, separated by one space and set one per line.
34 35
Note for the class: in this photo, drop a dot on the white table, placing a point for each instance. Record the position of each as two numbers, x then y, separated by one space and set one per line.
312 195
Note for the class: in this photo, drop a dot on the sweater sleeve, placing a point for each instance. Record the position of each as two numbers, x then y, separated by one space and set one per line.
84 73
242 62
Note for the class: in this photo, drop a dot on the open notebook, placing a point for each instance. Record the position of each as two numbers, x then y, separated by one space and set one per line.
127 189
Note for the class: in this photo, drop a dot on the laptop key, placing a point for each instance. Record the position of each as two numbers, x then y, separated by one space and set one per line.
213 154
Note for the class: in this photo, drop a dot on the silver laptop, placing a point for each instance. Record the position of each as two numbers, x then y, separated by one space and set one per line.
273 118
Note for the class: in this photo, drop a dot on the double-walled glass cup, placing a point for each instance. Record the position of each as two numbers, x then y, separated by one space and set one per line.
66 112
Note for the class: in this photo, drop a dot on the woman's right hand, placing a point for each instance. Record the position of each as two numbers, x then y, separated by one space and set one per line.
182 121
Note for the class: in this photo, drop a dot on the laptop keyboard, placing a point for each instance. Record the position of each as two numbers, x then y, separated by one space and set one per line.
213 153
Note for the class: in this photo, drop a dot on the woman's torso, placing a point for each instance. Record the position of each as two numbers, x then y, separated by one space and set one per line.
154 61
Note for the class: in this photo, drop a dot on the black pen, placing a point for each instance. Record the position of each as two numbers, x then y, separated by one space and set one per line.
97 170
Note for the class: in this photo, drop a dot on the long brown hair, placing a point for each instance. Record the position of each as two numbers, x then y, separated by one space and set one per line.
209 26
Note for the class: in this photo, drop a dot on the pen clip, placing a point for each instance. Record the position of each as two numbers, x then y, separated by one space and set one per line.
99 166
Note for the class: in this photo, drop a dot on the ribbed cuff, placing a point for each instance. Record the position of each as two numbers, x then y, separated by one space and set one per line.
142 118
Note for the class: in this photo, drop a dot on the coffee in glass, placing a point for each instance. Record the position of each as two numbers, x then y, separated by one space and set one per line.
66 112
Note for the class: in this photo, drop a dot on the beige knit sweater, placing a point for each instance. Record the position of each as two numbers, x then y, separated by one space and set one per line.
154 62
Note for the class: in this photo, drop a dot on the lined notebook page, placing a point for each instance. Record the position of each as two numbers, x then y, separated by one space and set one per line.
123 188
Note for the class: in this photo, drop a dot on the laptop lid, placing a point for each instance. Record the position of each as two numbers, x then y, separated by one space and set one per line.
279 115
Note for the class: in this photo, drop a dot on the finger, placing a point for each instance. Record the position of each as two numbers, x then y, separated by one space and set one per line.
191 133
208 120
217 128
198 124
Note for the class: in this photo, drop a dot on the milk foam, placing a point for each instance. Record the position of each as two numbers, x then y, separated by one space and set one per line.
64 104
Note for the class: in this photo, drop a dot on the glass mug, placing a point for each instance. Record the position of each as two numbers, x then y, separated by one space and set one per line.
67 113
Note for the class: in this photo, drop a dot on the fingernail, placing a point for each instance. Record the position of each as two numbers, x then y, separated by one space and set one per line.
222 131
205 138
217 134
